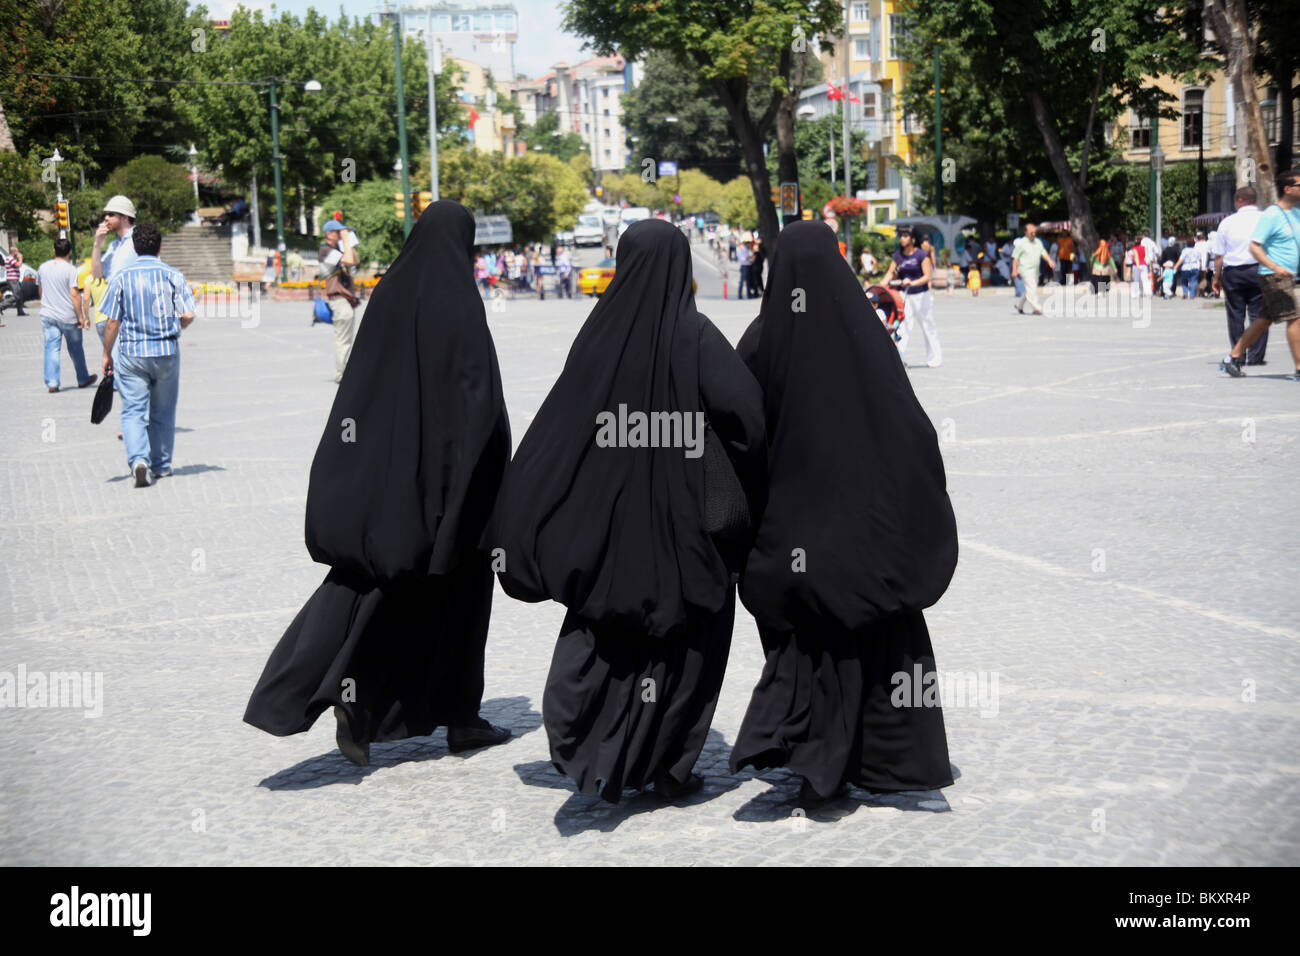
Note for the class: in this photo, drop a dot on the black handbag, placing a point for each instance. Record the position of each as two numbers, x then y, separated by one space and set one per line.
103 402
726 509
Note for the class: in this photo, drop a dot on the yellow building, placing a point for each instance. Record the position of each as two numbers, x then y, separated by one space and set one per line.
1207 126
494 130
875 75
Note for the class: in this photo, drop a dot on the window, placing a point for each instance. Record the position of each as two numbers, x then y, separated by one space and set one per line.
442 23
483 22
897 35
1193 117
910 124
460 23
861 12
506 21
1268 109
862 48
1139 131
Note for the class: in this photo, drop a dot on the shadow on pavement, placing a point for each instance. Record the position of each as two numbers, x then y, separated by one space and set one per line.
582 813
333 767
781 802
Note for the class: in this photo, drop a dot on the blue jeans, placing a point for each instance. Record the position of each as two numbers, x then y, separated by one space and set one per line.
148 387
55 333
1189 278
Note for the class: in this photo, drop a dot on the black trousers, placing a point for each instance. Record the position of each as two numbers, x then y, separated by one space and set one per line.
1242 296
16 287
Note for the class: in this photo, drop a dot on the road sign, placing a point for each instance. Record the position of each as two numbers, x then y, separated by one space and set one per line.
667 167
492 230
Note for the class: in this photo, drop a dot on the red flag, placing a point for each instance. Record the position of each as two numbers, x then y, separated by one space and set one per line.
833 92
473 117
853 98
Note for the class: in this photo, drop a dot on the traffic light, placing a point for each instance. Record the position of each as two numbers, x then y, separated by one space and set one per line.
420 200
61 214
789 199
401 205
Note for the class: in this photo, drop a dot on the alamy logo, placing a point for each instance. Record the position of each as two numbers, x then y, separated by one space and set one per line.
79 691
651 430
946 689
102 909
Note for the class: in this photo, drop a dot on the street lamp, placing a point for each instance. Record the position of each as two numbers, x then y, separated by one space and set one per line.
311 86
194 171
58 186
677 189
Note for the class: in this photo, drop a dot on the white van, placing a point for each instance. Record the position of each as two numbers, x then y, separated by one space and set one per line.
588 231
630 215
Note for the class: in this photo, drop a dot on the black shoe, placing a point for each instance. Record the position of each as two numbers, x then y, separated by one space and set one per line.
667 788
1232 366
808 797
1260 362
88 382
471 738
141 472
1295 377
359 754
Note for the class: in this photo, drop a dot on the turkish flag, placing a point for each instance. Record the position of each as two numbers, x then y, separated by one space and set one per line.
833 92
473 117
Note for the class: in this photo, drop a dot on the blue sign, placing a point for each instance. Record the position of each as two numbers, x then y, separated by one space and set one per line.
667 167
544 270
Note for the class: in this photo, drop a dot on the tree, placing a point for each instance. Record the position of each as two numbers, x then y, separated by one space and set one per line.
160 190
20 194
737 206
545 133
735 48
1034 58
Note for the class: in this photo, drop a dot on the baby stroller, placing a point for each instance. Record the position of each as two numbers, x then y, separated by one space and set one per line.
889 306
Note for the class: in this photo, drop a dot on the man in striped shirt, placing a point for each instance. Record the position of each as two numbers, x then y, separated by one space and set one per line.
148 303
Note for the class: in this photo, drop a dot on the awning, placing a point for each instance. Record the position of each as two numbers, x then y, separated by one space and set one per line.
1210 218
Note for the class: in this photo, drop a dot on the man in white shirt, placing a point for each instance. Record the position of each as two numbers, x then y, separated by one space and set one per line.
1141 258
1236 273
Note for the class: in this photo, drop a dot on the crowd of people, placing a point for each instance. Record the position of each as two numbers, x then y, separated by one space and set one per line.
512 270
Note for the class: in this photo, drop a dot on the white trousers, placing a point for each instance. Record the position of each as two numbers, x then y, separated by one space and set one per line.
1141 280
920 309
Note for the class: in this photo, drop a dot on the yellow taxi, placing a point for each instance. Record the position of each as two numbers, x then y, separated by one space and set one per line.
594 280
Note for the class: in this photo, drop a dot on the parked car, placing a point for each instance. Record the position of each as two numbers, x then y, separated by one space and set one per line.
594 280
588 231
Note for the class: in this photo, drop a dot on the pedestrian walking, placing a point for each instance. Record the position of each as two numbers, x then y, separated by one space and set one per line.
1203 252
394 637
91 292
1236 273
119 221
1026 259
336 258
856 538
1188 268
756 264
62 316
1140 259
745 259
148 304
912 269
564 273
13 269
1275 244
1101 267
619 531
1065 257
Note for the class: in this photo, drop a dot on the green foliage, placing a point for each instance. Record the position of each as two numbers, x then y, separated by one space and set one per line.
161 191
1178 197
737 207
20 194
370 211
546 134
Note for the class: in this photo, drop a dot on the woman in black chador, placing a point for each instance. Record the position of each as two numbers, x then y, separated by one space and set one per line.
857 537
403 482
602 510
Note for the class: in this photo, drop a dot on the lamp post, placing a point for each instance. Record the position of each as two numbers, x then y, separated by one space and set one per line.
311 86
194 172
677 187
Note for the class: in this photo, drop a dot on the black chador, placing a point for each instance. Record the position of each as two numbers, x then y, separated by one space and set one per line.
602 510
857 537
402 485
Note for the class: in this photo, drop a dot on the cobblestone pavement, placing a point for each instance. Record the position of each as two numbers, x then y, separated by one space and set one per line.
1128 551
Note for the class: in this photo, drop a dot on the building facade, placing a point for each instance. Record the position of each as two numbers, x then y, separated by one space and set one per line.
875 75
587 99
483 33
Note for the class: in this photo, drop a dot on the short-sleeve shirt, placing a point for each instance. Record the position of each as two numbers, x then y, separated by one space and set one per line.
910 267
1278 232
57 279
119 254
148 297
96 288
1029 253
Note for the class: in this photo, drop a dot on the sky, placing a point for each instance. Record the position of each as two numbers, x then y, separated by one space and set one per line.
540 45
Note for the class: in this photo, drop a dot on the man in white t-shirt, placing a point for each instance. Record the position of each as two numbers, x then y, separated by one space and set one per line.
62 316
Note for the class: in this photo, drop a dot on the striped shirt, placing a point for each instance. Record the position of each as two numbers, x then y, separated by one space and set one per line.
148 297
13 271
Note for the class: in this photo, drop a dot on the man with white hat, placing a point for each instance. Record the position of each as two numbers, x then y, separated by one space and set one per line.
119 218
